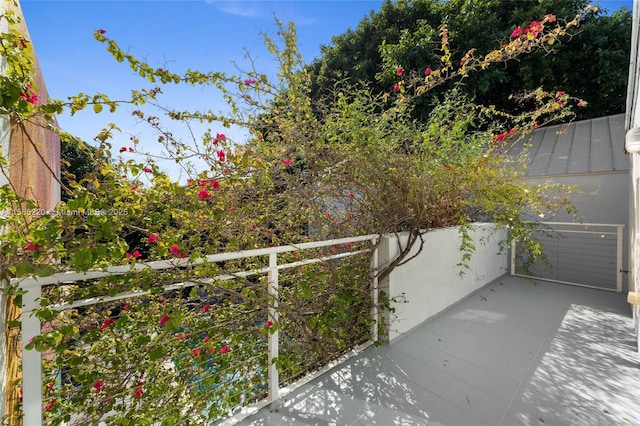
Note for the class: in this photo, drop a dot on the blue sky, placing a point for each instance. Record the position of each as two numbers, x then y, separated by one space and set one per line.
205 35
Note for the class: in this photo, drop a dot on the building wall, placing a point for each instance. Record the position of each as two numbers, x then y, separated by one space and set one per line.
431 282
633 121
34 154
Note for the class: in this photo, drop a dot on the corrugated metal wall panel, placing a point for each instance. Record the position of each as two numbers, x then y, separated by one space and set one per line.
579 160
601 158
560 157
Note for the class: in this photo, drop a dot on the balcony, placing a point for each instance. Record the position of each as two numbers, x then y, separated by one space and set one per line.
483 348
516 352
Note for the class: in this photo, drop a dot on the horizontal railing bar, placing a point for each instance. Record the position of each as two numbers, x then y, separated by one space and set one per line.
614 225
571 231
72 276
563 282
187 284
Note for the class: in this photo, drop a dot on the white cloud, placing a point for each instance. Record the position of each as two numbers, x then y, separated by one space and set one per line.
245 9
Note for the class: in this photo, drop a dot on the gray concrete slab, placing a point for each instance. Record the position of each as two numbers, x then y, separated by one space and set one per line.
516 353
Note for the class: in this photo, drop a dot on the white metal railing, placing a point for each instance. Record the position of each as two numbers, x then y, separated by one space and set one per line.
582 254
32 360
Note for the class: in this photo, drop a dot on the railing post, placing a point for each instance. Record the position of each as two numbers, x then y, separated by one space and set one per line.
512 267
375 296
272 315
619 246
31 359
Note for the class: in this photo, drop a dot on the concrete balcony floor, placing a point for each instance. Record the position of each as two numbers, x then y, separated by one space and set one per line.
514 353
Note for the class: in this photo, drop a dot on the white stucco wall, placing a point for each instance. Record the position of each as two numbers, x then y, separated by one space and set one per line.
633 121
431 282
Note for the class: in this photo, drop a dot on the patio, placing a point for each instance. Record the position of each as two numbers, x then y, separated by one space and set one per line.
516 352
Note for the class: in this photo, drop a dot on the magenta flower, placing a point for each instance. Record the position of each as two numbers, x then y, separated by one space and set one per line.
148 170
152 238
220 137
164 320
250 81
269 324
197 352
205 308
286 161
137 392
101 31
427 71
106 324
174 249
220 155
516 32
204 194
224 349
49 405
396 87
31 247
97 386
399 71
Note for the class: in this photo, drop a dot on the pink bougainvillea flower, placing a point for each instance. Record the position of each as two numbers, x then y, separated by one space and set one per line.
224 349
197 351
250 81
164 320
215 184
203 194
130 149
286 161
50 385
136 254
106 324
535 28
399 71
220 155
174 250
396 87
101 31
49 405
98 385
269 324
500 137
128 255
148 170
327 214
220 137
516 32
152 238
137 392
580 104
126 307
123 149
31 247
205 308
427 71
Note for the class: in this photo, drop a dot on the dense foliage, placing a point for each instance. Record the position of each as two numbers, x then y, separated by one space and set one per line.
176 340
406 33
